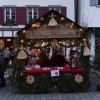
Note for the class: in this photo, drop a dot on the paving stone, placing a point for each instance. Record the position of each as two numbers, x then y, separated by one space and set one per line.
92 94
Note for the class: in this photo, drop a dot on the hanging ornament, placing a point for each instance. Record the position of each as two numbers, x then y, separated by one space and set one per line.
22 54
87 51
78 78
30 79
52 21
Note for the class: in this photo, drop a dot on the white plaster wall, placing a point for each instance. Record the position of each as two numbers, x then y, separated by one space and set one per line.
92 46
89 16
68 3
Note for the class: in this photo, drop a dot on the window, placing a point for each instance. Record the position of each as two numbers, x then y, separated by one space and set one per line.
94 2
98 3
9 13
32 14
56 8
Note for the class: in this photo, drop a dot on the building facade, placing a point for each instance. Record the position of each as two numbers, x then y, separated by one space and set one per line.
14 15
87 15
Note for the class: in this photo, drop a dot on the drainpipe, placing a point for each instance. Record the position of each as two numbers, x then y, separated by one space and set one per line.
76 4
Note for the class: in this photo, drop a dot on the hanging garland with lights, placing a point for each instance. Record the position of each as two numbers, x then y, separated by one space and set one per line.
52 20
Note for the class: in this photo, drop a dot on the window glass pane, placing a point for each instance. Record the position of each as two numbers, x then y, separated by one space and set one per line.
29 13
98 2
32 14
35 17
12 12
55 8
30 18
9 13
7 18
35 11
7 33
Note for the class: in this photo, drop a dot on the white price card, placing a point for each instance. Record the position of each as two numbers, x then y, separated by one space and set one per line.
54 73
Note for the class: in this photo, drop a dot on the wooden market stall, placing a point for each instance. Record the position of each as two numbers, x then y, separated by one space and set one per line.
50 34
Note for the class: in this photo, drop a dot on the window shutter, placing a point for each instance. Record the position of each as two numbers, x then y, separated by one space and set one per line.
1 15
93 2
43 10
21 15
63 11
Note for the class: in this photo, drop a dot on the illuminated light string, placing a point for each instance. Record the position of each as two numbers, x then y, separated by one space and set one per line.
62 43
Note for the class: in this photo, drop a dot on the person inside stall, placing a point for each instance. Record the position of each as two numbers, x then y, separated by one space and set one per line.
53 59
73 58
60 59
43 59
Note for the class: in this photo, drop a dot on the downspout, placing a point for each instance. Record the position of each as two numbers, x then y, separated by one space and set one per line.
76 4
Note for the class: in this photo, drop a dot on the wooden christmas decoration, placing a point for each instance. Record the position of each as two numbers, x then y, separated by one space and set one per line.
52 21
22 54
87 51
78 78
30 79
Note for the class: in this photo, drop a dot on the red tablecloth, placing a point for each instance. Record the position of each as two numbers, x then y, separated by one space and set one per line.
64 70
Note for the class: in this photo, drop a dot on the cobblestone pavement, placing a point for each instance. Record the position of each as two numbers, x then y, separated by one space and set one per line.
6 94
93 94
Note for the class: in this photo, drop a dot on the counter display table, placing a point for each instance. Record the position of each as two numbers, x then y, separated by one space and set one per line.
61 79
61 69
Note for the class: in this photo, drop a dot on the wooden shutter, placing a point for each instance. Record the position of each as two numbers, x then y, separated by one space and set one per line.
63 11
21 15
43 10
93 2
1 15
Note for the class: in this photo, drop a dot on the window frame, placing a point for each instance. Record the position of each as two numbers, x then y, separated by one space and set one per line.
98 1
54 7
32 7
11 16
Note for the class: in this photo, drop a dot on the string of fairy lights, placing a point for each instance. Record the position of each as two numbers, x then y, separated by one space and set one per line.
67 42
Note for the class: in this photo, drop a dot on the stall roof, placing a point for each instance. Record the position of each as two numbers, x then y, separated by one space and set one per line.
57 26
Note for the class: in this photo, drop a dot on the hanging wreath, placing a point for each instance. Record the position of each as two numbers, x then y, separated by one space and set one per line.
78 78
30 79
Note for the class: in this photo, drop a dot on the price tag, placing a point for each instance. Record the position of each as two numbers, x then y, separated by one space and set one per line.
54 73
